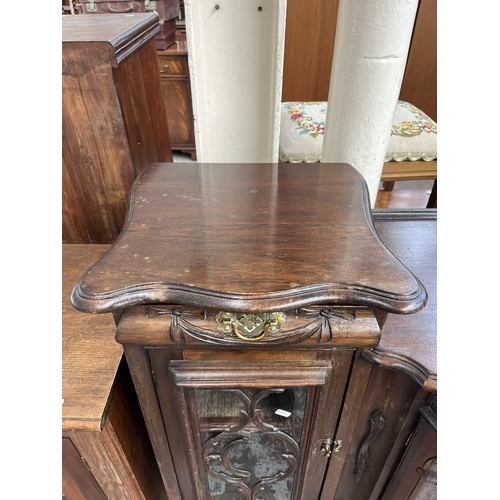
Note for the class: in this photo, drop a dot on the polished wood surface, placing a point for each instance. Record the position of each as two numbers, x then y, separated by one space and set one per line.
144 115
86 380
309 40
306 234
377 416
176 91
314 328
409 170
410 342
420 80
113 120
397 392
415 196
118 31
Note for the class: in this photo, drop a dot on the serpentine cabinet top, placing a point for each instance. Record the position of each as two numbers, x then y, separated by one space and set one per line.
249 238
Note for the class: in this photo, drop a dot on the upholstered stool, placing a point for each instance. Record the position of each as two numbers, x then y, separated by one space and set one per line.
411 153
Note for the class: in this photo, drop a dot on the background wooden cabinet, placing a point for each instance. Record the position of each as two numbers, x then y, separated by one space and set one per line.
113 119
309 47
106 451
176 90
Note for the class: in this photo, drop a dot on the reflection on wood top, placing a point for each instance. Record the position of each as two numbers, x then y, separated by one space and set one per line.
249 237
90 353
410 341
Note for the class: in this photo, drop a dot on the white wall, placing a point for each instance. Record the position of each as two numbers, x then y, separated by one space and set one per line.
236 68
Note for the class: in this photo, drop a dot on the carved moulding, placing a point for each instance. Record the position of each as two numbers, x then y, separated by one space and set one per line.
313 326
407 365
239 433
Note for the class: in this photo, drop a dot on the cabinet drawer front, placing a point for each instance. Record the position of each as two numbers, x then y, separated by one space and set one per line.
324 327
170 66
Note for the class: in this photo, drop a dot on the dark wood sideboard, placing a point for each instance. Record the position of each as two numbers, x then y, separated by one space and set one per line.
114 122
262 319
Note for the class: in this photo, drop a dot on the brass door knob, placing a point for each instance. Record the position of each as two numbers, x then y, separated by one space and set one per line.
326 448
164 70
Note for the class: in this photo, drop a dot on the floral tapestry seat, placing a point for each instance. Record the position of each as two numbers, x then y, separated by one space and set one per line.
413 134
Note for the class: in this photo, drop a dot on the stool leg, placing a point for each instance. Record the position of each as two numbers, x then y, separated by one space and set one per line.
432 203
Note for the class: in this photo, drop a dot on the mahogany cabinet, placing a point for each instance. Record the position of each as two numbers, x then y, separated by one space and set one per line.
176 91
254 306
113 119
167 10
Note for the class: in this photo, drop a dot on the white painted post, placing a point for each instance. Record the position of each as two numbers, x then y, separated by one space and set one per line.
371 47
236 50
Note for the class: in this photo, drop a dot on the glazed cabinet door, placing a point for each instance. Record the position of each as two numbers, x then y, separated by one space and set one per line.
250 429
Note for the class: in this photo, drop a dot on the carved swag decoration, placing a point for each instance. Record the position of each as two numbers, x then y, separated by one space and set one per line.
319 325
238 433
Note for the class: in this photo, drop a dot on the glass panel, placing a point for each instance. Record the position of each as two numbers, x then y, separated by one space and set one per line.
251 440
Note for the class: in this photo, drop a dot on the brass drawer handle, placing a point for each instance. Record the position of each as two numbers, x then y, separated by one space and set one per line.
164 70
250 327
251 339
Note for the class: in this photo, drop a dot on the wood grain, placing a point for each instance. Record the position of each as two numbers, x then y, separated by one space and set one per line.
176 91
420 79
413 469
409 170
113 119
126 439
190 328
410 342
309 41
90 354
98 170
393 393
249 237
77 481
140 371
143 110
